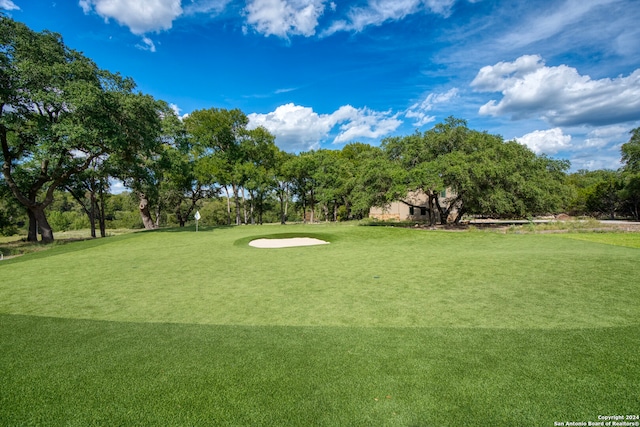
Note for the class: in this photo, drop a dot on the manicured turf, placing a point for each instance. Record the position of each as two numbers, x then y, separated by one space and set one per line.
384 326
631 240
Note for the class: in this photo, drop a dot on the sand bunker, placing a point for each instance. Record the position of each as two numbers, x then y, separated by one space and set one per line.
286 243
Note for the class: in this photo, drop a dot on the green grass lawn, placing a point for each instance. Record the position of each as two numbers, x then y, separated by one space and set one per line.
382 327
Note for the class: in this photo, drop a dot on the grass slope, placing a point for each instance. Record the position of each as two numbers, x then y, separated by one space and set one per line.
383 327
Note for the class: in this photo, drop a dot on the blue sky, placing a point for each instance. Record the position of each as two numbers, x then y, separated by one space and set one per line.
561 76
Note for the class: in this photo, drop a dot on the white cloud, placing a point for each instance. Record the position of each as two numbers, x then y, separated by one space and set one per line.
300 128
205 6
283 18
285 90
117 187
441 7
607 136
498 77
420 110
377 12
148 45
141 16
85 5
610 160
546 141
544 25
626 43
560 95
587 148
8 5
296 128
364 123
175 109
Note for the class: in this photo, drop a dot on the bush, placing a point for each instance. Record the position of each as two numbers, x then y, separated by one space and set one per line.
59 221
81 222
7 225
214 212
127 219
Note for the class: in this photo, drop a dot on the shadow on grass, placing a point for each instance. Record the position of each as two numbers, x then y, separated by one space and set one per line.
191 229
65 246
22 251
116 373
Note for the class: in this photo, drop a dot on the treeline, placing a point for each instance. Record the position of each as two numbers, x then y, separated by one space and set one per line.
69 129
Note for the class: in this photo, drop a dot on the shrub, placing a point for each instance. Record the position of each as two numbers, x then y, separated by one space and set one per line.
59 221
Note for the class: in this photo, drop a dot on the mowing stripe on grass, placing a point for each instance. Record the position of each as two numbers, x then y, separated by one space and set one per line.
76 372
631 240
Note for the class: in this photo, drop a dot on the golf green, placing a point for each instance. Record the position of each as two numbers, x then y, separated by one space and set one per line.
383 326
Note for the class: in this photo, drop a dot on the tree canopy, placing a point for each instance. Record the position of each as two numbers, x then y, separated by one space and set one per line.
58 113
487 175
66 124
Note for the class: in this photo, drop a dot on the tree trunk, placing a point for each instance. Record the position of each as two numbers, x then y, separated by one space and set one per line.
236 199
304 211
252 208
89 210
145 214
286 207
101 218
459 216
43 225
282 216
157 223
432 209
347 207
33 227
284 202
244 207
228 206
182 219
440 211
312 207
92 213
